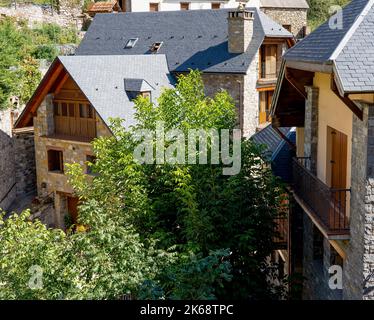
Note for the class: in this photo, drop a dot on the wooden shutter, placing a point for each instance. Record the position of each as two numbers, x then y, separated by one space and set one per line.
271 61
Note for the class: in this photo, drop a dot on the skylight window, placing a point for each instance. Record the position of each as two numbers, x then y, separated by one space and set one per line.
131 43
156 46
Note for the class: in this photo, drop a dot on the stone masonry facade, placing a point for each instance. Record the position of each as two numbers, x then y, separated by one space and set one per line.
311 128
7 161
17 160
358 264
51 184
242 88
296 18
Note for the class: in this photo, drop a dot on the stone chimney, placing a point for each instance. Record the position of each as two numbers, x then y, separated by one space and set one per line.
240 29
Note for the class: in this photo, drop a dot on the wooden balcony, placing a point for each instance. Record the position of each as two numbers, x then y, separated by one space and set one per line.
325 206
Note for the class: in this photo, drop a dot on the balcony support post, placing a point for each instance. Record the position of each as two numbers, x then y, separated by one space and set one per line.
311 127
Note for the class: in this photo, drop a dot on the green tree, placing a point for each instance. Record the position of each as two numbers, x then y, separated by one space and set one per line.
192 207
20 49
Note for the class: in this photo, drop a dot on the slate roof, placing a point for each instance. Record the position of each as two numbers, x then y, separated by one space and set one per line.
277 151
137 85
101 6
192 39
299 4
271 139
349 48
355 63
101 79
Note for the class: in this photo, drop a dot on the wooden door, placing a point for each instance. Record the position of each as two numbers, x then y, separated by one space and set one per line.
338 178
338 159
73 208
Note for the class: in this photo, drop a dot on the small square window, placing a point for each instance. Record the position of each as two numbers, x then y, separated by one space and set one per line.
85 111
153 7
156 46
55 161
185 6
131 43
216 5
146 94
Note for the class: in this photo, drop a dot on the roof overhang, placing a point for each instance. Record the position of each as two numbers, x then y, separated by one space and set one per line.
55 72
288 105
51 83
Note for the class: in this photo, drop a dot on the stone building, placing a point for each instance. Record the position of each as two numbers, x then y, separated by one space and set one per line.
326 91
72 106
291 14
236 50
17 160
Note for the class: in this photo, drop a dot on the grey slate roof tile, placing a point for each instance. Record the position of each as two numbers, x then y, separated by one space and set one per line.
102 80
195 39
355 61
358 56
321 43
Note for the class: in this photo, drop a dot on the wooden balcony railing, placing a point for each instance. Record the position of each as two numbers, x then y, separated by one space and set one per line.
328 206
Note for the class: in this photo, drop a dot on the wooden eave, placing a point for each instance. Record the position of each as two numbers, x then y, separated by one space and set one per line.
54 73
288 106
52 82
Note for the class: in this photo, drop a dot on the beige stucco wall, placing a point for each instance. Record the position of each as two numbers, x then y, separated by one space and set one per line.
335 114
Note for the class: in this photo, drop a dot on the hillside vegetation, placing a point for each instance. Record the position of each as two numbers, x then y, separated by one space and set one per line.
21 48
320 10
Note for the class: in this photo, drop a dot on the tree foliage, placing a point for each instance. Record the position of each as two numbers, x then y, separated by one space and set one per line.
20 50
154 231
319 10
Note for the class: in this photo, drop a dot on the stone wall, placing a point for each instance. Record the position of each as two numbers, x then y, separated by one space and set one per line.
24 150
33 13
242 88
52 184
17 160
297 18
311 128
7 161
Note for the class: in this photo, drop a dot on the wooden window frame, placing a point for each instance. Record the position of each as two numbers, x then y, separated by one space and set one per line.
60 160
73 119
182 4
263 63
155 5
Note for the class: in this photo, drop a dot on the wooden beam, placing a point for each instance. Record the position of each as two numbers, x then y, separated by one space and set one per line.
300 89
61 83
346 100
39 94
338 248
272 88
